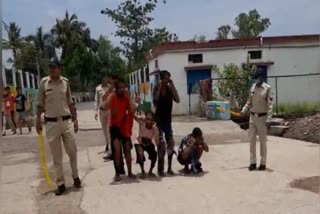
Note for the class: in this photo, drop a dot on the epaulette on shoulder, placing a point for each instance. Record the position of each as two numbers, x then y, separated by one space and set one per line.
65 79
267 85
44 79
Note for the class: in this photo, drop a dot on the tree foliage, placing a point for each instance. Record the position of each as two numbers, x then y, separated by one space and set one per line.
14 41
223 32
250 25
235 84
132 18
247 25
200 38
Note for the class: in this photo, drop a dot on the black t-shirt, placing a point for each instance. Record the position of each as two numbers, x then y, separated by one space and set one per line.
20 102
163 104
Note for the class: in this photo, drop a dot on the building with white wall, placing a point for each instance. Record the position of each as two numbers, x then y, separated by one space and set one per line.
189 62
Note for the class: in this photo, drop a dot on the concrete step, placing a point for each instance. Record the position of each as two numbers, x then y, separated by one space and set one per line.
277 130
277 121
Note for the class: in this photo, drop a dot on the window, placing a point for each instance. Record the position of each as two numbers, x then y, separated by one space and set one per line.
147 74
9 77
156 65
30 81
195 58
255 54
25 82
36 82
142 75
18 79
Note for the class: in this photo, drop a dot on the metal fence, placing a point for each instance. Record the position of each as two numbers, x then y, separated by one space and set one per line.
287 89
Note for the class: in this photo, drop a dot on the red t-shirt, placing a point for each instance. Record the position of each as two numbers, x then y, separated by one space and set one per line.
118 110
9 103
127 125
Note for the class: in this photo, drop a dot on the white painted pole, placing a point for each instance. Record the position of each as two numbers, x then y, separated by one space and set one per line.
28 79
14 81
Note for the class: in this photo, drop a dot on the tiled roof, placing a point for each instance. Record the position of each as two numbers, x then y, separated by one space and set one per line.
232 43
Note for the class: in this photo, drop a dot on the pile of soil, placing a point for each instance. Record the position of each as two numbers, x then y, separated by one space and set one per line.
310 184
304 128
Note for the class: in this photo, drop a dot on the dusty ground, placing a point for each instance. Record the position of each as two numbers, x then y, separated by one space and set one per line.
305 128
226 187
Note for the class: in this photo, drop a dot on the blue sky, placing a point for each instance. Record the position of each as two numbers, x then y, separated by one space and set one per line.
184 17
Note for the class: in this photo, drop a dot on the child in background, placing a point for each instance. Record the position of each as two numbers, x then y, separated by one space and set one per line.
147 141
190 151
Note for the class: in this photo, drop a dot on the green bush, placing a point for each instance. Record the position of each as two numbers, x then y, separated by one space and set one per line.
298 108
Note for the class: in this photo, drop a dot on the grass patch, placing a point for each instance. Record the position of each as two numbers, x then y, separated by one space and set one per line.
298 108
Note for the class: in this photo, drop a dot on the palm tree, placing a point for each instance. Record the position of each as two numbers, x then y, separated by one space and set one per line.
14 41
68 32
43 45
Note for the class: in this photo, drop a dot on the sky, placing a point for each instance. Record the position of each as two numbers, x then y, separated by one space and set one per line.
186 18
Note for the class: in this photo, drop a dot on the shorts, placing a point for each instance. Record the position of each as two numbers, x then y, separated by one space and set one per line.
165 128
149 148
115 133
21 115
181 161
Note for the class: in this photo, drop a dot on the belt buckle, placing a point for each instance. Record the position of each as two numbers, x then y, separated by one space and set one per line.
256 114
59 119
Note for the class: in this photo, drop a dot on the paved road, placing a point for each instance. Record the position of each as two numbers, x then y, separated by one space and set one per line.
226 187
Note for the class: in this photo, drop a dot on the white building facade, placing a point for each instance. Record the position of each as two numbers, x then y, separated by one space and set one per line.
190 62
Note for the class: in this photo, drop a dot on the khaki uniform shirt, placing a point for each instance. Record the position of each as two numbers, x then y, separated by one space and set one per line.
55 97
100 91
260 100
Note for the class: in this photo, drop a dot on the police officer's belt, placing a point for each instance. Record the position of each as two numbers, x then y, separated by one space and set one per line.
259 114
55 119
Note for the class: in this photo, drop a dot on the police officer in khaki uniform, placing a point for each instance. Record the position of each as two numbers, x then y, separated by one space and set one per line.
56 103
101 91
260 106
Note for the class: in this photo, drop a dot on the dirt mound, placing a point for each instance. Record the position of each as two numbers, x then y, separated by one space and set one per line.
304 128
310 184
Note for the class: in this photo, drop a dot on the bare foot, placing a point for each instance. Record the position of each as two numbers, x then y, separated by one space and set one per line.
170 172
117 178
132 176
143 175
152 175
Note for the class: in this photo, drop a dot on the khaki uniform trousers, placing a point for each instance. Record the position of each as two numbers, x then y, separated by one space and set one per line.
54 132
104 120
258 127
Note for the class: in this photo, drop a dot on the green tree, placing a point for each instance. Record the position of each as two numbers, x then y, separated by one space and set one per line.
223 32
235 84
68 33
14 41
200 38
250 25
43 44
133 19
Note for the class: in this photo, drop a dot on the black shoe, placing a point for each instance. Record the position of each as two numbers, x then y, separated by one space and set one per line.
262 167
108 157
252 167
61 189
77 183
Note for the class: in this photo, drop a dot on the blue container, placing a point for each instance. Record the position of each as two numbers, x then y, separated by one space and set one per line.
213 114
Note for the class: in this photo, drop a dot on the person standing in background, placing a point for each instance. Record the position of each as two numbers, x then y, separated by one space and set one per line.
10 107
102 90
8 101
4 124
21 108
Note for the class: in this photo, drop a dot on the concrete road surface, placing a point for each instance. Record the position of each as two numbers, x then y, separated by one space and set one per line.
225 187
